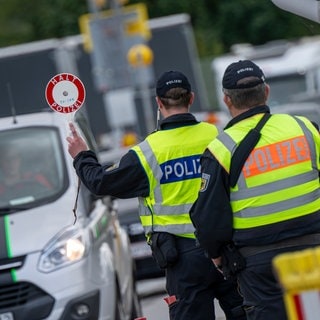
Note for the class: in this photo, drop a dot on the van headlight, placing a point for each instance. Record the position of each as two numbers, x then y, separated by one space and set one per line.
66 248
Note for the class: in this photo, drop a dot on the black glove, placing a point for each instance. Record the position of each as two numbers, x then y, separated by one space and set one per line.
232 261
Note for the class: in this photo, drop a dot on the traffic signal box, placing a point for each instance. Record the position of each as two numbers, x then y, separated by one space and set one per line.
299 275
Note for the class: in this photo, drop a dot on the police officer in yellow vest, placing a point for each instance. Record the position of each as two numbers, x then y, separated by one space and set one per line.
164 172
274 204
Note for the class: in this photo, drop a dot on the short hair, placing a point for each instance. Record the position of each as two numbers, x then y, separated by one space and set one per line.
176 97
247 98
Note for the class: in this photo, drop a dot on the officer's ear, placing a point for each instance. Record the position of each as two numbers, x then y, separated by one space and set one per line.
191 99
267 91
159 103
227 100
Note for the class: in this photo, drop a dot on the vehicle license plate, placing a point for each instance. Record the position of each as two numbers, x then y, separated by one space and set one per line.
140 250
6 316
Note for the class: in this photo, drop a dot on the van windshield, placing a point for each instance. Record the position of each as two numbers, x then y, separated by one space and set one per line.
32 167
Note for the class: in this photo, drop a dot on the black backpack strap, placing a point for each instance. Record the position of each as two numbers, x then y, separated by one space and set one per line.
244 149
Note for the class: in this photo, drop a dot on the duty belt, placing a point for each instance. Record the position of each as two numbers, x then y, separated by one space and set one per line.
309 239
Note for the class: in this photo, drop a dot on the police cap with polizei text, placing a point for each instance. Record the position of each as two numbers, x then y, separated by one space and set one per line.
240 70
172 79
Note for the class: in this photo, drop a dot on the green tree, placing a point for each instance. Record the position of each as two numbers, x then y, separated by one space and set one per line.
217 23
258 22
23 21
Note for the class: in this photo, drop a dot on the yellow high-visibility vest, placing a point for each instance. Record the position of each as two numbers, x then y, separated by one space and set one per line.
280 179
171 159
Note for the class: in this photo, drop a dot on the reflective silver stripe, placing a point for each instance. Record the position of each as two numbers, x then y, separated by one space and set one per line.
310 141
153 163
278 206
232 146
169 210
242 184
164 210
172 228
143 210
227 141
245 193
158 208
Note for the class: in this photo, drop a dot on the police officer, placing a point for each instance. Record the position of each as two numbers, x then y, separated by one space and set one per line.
274 206
164 172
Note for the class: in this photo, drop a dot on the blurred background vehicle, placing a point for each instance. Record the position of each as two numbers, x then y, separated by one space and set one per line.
310 110
292 69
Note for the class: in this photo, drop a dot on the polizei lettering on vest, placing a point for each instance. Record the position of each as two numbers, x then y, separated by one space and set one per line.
276 156
180 169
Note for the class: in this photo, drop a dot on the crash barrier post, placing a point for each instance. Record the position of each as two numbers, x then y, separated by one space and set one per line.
299 275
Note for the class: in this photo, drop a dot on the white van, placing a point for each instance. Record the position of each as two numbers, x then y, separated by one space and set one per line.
57 264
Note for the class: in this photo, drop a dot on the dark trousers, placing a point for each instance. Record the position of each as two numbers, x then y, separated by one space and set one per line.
195 283
263 295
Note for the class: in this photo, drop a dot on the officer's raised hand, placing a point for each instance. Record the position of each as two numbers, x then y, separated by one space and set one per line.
76 143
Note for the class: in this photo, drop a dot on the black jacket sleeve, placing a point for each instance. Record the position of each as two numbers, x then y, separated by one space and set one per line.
127 179
211 214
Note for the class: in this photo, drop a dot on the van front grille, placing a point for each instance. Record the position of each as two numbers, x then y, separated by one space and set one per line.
25 301
18 294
